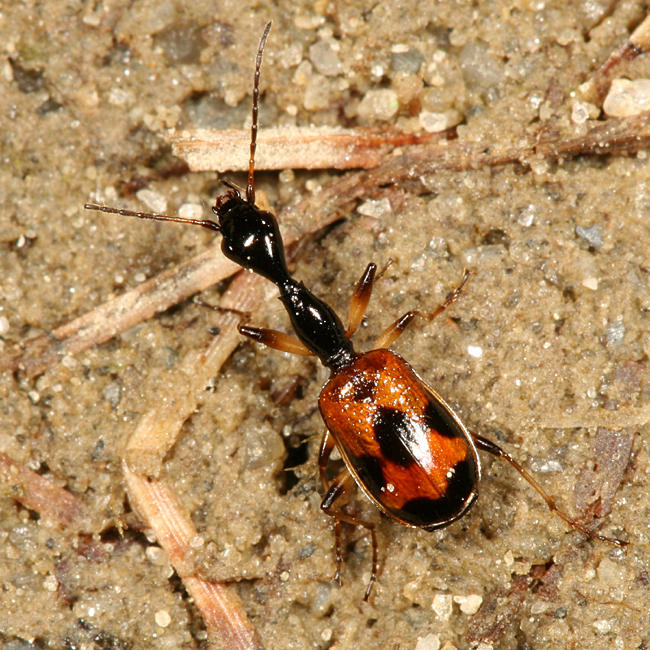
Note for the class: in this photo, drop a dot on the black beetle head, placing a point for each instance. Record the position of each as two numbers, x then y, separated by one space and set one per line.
251 237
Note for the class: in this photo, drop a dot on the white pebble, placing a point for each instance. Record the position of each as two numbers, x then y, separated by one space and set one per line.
433 122
374 208
380 104
190 211
120 97
196 541
475 351
153 200
428 642
162 618
590 283
603 626
626 98
50 583
155 555
469 604
442 606
579 113
325 58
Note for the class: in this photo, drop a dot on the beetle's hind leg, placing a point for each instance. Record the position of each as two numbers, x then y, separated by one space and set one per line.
334 490
487 445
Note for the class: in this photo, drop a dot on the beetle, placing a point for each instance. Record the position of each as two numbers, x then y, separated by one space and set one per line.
401 442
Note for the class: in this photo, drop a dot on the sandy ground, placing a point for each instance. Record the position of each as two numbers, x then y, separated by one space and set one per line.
546 352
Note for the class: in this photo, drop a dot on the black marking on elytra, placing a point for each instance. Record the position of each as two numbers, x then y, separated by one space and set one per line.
392 429
370 472
431 514
363 388
438 419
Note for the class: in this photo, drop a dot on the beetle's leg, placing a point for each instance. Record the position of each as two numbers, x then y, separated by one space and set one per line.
392 333
326 447
487 445
243 315
274 339
361 296
360 299
337 488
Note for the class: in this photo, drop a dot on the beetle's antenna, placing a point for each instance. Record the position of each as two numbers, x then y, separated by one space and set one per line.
205 223
250 188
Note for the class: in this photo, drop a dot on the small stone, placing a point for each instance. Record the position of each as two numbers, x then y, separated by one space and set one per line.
526 216
303 73
408 61
50 583
120 97
153 200
615 333
112 393
308 21
442 605
428 642
92 20
627 98
196 541
380 104
610 572
591 235
433 122
603 626
325 58
469 604
190 211
375 208
156 555
481 68
567 36
579 113
162 618
317 93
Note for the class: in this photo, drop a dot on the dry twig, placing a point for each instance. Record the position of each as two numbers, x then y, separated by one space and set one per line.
41 494
638 43
152 438
291 147
157 429
36 355
222 612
